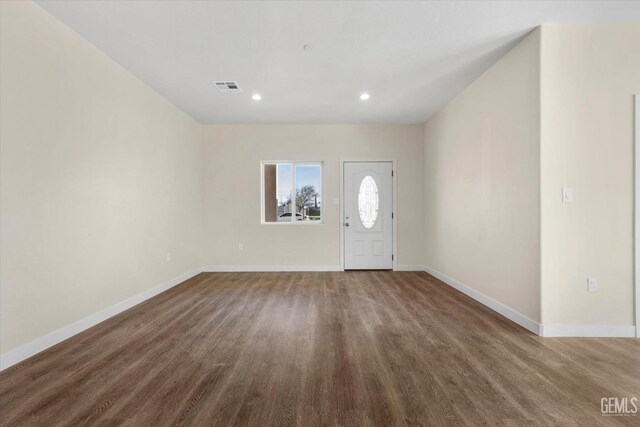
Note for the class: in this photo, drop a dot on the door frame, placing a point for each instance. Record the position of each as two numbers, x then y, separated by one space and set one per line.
636 216
394 204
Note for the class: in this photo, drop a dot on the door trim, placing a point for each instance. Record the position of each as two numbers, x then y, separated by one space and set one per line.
394 204
636 216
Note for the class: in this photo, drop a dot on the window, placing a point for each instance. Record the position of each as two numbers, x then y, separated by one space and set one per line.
368 202
292 192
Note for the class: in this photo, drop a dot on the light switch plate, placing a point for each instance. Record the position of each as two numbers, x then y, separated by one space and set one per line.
567 195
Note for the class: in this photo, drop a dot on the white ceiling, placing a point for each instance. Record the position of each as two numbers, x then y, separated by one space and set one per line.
412 57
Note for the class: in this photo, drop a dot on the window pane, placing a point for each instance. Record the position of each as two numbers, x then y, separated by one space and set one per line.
368 202
308 192
284 192
277 192
270 195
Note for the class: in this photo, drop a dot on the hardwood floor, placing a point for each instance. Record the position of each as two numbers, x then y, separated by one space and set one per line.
354 348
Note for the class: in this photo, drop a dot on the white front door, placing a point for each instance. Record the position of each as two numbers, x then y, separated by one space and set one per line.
367 222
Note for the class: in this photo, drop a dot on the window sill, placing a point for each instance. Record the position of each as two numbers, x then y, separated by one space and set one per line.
295 224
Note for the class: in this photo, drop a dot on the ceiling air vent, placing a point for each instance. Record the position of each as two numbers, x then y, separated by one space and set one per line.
228 87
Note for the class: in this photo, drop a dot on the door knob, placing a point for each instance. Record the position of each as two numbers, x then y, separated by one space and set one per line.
346 224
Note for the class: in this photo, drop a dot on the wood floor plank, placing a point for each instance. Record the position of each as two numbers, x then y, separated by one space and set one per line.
318 349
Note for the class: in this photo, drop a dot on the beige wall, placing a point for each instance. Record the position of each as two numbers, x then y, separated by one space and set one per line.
590 73
561 101
100 178
481 183
232 190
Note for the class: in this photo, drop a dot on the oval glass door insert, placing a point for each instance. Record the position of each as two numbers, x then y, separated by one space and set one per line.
368 202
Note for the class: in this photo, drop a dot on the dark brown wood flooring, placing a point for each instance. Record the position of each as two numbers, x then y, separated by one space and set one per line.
307 349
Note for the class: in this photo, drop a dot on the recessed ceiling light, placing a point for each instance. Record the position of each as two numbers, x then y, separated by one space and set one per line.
256 97
307 47
365 96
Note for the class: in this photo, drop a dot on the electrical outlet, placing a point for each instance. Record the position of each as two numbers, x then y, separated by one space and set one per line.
592 284
240 247
168 256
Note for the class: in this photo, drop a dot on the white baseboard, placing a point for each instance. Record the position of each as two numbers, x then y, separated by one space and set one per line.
258 268
496 306
621 331
27 350
410 267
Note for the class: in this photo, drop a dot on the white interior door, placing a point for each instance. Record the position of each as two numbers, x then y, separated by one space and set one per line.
367 222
